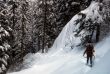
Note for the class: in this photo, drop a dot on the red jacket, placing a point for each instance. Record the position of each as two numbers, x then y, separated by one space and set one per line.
89 51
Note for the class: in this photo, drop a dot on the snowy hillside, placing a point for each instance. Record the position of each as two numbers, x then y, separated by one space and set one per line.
72 62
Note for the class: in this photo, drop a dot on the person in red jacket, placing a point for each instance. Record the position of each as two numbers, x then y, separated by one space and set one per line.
89 52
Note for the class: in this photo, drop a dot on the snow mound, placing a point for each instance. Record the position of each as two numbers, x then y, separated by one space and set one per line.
67 37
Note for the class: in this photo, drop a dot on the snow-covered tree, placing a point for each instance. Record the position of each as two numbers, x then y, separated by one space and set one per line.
83 27
6 39
44 17
66 9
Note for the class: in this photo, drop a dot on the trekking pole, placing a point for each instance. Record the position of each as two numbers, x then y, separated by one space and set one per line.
94 57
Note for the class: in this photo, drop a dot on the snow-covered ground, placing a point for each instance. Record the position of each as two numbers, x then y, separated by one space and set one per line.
70 63
63 59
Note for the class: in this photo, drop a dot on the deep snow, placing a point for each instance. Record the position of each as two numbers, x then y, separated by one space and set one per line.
63 59
69 63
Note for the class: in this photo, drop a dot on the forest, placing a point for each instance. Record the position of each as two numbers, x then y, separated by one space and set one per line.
31 26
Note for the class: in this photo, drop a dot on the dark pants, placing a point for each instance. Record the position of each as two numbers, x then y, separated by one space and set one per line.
89 58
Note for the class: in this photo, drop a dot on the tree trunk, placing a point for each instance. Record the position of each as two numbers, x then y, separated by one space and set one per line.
23 30
13 16
45 8
38 43
97 33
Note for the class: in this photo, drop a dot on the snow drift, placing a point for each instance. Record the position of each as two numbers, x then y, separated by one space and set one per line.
72 62
68 38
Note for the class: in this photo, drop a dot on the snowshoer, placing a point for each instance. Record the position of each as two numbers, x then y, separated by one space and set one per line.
89 52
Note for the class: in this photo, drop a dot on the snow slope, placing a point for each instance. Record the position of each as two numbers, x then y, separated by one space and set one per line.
61 59
70 63
67 37
102 65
